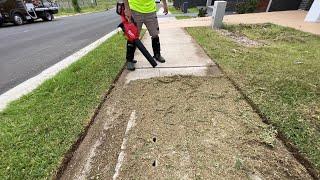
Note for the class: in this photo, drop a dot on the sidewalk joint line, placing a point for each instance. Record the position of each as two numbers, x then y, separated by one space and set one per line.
177 67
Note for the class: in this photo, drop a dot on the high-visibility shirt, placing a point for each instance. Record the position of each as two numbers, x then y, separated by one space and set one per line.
143 6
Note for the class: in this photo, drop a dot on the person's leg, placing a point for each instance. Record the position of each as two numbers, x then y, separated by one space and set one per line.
138 19
151 21
131 47
157 49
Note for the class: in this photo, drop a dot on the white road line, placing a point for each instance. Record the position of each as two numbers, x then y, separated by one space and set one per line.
32 83
131 124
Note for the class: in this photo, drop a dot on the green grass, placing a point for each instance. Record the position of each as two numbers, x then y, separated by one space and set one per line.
173 10
102 5
282 77
38 129
184 17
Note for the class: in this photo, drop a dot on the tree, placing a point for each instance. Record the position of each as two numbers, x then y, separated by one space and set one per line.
76 6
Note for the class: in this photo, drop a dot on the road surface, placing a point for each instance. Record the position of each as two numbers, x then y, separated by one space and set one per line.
25 51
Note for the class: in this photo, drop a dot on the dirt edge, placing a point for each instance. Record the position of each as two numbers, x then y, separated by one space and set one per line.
302 159
69 154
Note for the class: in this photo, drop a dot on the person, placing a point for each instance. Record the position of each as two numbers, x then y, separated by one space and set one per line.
144 12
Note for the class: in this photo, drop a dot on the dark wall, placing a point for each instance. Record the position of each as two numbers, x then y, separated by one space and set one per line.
309 5
283 5
231 4
191 3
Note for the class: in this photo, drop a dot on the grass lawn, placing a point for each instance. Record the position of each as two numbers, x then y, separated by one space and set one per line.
282 77
38 129
173 10
102 5
184 17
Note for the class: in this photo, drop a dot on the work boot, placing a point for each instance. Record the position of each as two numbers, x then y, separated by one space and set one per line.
156 50
130 66
131 48
159 58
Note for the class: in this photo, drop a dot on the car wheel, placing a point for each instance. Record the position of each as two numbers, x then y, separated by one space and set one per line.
47 16
17 19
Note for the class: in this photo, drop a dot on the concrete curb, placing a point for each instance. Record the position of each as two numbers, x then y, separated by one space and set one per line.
34 82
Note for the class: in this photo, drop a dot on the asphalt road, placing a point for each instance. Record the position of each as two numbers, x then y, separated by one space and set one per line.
27 50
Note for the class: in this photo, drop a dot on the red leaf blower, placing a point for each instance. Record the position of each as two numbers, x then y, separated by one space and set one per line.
132 34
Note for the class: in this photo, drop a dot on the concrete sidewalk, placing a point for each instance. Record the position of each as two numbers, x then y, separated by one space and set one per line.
293 19
180 127
184 57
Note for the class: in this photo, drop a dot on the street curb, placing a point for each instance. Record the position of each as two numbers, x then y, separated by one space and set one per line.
34 82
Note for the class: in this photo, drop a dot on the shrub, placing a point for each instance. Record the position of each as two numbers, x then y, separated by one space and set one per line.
202 12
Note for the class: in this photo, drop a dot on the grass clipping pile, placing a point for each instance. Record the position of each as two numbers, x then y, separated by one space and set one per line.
200 127
240 39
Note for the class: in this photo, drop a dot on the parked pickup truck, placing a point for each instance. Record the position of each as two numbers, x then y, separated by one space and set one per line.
21 11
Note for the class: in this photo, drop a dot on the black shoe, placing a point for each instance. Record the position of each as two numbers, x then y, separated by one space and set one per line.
159 58
130 66
156 50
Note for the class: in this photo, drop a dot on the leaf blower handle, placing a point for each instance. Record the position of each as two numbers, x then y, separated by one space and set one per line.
120 8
